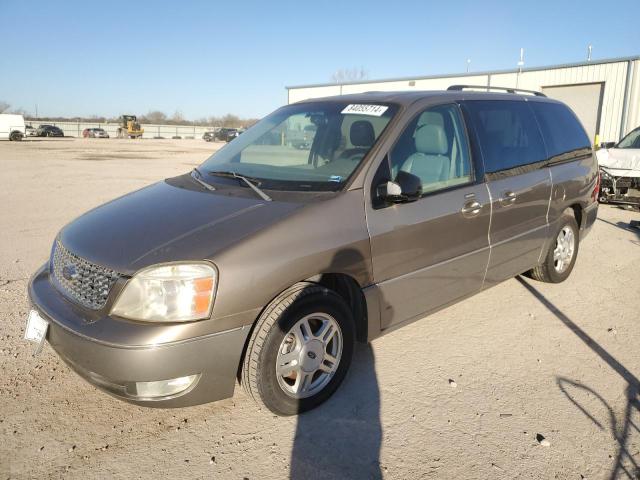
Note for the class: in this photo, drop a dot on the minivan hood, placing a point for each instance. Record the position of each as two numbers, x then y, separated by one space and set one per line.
166 223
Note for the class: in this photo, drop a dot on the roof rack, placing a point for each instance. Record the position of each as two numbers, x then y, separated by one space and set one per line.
488 87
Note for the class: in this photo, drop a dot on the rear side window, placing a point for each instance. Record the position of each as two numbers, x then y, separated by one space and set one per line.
508 133
560 127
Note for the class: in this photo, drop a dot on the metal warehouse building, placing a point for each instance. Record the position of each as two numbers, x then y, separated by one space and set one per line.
605 94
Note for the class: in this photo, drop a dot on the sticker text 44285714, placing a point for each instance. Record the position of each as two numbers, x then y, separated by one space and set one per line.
365 109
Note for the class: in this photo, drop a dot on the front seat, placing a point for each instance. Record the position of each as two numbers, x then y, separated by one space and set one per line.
429 162
362 136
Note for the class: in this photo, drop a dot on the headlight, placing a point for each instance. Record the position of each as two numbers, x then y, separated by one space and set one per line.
168 293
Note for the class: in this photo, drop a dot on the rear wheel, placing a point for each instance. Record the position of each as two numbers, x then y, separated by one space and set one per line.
562 253
300 349
15 136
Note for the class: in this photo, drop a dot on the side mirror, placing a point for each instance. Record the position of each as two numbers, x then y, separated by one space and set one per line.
406 188
607 144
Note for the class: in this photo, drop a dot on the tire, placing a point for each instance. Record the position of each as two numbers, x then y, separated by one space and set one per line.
15 136
548 271
265 348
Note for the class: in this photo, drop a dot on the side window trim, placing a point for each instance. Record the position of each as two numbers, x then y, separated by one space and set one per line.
477 158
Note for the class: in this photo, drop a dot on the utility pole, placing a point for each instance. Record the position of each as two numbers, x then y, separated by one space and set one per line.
520 65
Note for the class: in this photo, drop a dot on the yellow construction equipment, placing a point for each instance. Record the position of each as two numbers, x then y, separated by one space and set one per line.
129 127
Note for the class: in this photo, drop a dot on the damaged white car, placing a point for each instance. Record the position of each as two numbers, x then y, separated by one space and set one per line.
620 170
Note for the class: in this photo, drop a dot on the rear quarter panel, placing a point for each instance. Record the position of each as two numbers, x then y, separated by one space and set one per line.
573 184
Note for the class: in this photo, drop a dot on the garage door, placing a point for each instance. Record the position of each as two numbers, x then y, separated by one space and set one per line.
584 99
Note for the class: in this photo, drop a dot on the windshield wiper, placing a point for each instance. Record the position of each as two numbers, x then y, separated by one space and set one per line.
248 180
195 174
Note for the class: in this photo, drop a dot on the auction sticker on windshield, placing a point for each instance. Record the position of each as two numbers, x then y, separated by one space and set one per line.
363 109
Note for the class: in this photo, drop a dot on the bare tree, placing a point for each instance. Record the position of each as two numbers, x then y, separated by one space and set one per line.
178 118
230 120
349 75
155 116
4 106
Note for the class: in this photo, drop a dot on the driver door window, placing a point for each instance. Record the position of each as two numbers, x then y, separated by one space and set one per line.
434 147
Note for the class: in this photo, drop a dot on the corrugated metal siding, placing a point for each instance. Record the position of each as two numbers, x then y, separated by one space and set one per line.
633 112
613 75
297 94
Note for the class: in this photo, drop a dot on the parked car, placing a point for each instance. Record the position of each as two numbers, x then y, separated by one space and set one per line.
95 133
620 170
12 127
49 131
209 136
302 138
30 131
227 134
269 262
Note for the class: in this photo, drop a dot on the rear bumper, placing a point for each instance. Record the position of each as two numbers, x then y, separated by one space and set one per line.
589 216
115 368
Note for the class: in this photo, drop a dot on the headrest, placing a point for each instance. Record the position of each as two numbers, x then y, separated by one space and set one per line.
430 117
430 139
362 134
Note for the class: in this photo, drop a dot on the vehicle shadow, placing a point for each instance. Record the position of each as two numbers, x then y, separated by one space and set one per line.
624 461
342 438
622 226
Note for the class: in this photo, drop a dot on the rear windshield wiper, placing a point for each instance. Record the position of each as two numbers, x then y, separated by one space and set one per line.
248 180
195 174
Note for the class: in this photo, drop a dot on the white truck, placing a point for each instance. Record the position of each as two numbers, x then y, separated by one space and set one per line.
12 127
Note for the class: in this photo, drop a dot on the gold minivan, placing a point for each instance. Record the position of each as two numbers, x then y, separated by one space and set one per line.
267 263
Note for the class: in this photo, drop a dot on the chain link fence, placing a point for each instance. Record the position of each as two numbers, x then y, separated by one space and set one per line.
75 129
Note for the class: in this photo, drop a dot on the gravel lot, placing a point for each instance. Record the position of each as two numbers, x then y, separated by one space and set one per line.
467 393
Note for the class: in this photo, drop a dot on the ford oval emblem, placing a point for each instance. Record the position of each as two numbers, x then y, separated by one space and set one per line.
69 272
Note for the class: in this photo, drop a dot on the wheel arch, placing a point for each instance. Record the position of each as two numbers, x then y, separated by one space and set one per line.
348 288
344 285
577 213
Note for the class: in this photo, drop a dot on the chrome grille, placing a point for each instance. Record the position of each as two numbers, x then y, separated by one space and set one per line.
82 281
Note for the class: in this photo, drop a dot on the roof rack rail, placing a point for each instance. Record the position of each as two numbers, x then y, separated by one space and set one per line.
488 87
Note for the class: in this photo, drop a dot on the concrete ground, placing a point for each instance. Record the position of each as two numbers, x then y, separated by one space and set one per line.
467 393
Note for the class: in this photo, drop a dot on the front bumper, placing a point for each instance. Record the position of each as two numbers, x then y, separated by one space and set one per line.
116 367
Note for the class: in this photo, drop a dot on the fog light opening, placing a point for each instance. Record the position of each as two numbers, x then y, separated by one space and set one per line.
164 388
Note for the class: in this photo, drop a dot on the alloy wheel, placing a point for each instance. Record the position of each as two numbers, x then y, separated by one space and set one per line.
309 355
565 246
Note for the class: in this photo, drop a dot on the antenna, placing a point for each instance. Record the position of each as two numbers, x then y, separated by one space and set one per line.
589 53
468 64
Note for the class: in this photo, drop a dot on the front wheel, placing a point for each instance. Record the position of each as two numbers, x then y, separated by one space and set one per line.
15 136
562 253
300 349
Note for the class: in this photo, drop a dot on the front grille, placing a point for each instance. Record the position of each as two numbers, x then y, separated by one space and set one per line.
87 283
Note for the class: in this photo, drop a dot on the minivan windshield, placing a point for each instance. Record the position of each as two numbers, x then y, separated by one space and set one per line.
312 146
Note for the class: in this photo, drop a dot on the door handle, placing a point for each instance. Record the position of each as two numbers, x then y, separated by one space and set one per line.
508 198
471 208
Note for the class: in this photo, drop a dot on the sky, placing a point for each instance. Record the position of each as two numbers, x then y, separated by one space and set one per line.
206 58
